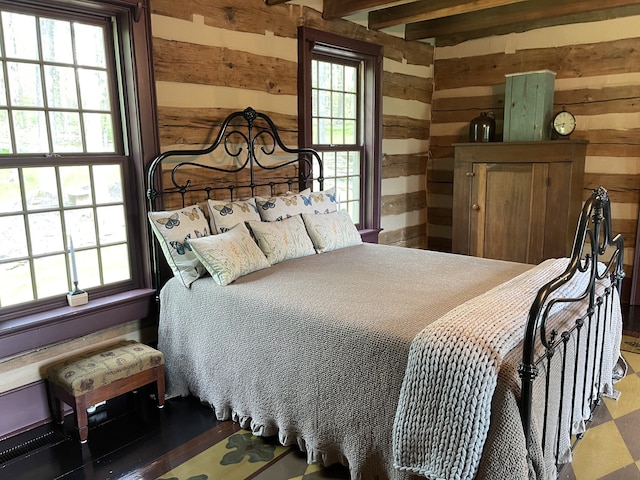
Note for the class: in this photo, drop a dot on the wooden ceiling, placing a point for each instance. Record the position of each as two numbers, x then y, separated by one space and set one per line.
453 21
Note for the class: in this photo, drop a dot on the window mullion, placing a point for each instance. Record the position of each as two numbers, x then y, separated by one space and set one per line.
27 229
95 226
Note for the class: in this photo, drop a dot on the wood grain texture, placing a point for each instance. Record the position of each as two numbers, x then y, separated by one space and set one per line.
519 17
403 203
199 126
339 8
395 48
251 16
404 127
450 22
205 65
414 236
428 10
584 101
525 198
407 87
569 61
444 189
439 244
394 166
621 188
440 216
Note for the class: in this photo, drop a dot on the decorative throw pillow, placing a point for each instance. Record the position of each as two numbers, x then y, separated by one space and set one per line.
226 215
331 231
279 208
229 255
205 209
325 201
283 240
174 229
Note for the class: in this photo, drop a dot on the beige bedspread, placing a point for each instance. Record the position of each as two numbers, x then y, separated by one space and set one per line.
314 350
454 365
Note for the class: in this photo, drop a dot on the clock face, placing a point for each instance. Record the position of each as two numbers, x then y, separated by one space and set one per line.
564 123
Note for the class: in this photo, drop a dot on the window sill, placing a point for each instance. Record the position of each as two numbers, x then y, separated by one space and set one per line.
46 328
370 235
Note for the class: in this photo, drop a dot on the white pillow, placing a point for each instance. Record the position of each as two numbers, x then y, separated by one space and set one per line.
283 240
325 201
331 231
281 207
174 229
229 255
226 215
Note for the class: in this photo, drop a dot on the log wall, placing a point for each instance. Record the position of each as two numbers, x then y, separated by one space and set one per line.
597 69
217 56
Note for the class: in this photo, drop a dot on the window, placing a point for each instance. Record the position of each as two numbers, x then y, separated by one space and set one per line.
339 116
335 114
68 166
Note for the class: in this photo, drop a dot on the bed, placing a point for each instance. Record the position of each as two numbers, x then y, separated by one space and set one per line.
399 363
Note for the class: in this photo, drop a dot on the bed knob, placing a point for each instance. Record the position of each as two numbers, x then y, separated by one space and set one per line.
475 206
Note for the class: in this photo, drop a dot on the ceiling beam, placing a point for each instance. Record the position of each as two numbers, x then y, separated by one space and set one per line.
527 14
340 8
275 2
429 10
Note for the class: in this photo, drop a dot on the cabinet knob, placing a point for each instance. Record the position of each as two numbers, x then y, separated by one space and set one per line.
475 206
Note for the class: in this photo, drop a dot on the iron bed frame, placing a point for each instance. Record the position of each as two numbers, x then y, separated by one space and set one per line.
241 137
592 241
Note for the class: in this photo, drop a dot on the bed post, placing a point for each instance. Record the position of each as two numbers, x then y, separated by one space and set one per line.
593 237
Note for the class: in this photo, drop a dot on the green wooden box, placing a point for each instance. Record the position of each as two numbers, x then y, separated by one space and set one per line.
528 106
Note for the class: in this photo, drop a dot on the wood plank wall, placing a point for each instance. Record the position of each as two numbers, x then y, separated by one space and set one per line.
597 69
218 56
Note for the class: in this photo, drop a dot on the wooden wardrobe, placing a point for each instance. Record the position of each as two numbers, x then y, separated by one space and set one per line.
517 201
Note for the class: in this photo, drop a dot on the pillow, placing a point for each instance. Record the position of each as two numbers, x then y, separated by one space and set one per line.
205 209
278 208
229 255
174 229
331 231
325 201
226 215
283 240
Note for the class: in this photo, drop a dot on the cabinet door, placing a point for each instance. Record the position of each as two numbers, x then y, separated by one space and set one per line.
508 205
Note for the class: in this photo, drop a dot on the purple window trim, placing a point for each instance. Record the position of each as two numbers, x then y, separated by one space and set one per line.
60 324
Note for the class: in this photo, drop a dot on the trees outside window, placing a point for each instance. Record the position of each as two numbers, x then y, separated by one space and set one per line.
70 153
340 100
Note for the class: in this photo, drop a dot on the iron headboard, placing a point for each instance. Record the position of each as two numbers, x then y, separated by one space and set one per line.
260 164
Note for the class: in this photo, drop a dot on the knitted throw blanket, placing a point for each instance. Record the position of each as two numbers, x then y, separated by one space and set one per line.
443 413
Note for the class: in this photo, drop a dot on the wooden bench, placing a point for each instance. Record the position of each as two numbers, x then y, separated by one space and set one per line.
99 375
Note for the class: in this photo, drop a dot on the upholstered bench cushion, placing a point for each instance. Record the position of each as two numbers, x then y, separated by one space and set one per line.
88 371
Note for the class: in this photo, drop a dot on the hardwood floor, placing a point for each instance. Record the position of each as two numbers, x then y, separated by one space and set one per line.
130 438
631 320
125 436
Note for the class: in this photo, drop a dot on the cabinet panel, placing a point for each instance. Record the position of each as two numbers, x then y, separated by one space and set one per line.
517 201
506 220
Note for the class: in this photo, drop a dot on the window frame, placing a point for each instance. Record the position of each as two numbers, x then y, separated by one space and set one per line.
32 326
329 45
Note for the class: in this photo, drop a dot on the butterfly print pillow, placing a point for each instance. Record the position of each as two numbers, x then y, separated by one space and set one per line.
174 229
225 214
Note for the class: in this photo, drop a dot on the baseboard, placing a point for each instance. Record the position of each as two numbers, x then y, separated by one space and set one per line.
24 408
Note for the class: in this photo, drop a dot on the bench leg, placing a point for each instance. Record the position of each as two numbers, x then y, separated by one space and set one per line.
160 385
82 418
58 411
57 406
